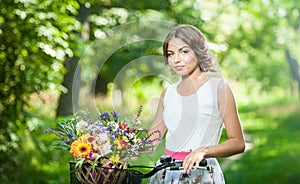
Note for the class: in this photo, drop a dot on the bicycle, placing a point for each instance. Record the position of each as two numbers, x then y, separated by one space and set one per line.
133 176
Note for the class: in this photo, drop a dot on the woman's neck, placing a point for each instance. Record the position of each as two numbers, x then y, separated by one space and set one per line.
197 77
191 83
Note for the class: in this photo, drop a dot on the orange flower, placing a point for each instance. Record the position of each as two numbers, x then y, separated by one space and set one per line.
80 148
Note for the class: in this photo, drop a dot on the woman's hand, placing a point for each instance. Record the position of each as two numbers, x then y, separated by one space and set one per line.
193 159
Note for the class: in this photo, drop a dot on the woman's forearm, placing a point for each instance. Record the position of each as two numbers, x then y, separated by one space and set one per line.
228 148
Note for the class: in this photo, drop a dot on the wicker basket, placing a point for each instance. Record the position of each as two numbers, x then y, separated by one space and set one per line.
104 173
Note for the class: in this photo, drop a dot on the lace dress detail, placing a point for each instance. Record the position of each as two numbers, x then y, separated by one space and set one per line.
192 121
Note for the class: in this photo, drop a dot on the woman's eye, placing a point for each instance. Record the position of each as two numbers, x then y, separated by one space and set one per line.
170 54
185 51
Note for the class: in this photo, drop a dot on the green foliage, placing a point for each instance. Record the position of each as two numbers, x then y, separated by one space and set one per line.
36 37
124 56
275 155
34 42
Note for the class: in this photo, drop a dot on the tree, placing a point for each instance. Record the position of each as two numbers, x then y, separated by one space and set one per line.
250 39
35 38
42 42
291 12
97 18
68 101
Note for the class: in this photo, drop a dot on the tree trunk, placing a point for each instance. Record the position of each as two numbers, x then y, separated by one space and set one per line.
68 102
295 73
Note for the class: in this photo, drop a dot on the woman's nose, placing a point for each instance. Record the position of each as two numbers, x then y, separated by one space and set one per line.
178 58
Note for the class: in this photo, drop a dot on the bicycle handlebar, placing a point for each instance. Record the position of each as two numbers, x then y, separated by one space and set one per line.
166 163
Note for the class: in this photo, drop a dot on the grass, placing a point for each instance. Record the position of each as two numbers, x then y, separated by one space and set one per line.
275 157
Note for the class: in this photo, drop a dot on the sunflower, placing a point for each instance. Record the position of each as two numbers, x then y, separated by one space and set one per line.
80 148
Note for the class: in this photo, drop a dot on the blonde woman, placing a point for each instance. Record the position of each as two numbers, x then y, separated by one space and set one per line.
193 111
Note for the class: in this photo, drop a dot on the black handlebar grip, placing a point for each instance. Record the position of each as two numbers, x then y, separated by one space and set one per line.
203 163
165 159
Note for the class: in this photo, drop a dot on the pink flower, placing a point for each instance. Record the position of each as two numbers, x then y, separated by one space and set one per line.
122 126
125 143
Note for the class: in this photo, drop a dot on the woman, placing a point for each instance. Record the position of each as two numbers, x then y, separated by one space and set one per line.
194 110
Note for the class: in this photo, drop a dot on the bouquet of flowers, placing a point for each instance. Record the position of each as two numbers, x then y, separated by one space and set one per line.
107 142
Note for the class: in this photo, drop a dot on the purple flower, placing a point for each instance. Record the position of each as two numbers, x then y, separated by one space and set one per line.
105 116
67 141
113 136
99 123
93 154
71 134
115 115
89 121
108 128
100 131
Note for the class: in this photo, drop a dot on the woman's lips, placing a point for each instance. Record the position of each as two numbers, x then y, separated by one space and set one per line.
179 67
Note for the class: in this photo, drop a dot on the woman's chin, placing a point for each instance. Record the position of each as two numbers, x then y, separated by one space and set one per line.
181 73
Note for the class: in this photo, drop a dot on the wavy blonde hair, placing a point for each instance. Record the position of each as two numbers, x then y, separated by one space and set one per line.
196 40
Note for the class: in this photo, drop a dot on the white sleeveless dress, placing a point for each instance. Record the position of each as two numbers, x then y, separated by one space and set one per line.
192 122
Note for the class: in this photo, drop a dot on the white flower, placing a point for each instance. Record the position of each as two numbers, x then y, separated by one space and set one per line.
106 148
103 136
81 127
131 135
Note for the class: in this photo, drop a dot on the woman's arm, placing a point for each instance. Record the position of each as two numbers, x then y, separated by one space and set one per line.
234 144
158 127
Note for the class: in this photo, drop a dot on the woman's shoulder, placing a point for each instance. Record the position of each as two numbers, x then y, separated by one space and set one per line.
171 90
216 80
172 86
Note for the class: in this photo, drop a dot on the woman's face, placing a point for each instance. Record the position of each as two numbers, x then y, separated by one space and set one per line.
181 58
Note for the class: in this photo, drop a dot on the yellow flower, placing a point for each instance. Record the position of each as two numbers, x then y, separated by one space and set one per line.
115 158
119 145
85 136
80 148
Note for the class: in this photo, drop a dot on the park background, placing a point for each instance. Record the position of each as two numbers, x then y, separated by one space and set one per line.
48 51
